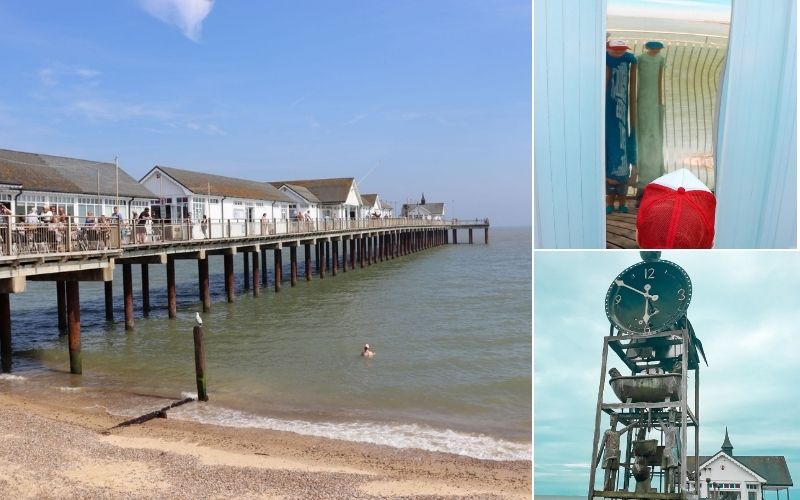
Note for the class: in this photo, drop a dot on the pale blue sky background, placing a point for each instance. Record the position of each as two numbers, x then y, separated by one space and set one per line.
695 10
411 96
745 311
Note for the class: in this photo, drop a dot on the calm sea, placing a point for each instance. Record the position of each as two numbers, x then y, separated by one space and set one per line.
451 328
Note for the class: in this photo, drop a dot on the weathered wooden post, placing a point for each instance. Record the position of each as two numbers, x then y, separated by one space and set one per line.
353 241
202 271
362 247
470 236
109 296
127 295
5 332
321 261
308 261
257 274
230 283
246 263
334 247
61 297
264 266
486 235
145 289
293 265
172 303
328 255
455 236
278 267
200 363
316 255
74 320
344 255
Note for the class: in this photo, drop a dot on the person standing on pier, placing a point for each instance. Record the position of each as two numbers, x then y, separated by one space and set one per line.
620 114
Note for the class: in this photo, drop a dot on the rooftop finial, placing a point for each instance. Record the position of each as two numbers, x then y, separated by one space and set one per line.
422 201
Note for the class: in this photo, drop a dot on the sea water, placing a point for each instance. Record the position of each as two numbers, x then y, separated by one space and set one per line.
451 328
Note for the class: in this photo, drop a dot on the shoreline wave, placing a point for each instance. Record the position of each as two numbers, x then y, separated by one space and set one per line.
400 436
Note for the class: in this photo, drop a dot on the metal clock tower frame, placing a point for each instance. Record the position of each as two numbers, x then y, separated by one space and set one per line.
673 352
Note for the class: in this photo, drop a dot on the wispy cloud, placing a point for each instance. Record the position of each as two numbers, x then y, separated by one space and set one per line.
107 110
187 15
355 119
208 128
52 75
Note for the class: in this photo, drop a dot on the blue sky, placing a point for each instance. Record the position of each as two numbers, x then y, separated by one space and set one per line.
744 310
409 96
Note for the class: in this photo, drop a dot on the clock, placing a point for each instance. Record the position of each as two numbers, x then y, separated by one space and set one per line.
648 297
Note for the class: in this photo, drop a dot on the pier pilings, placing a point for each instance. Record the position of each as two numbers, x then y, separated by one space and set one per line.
367 246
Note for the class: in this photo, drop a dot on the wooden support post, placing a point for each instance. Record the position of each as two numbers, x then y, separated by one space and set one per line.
230 282
362 244
74 319
375 248
455 236
278 268
321 259
202 271
127 295
172 303
368 249
344 256
246 263
470 236
5 332
328 255
61 297
486 236
334 257
317 256
307 257
264 267
256 275
109 296
293 265
353 241
200 363
145 289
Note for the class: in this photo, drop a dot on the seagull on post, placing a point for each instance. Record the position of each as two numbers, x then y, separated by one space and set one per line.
198 319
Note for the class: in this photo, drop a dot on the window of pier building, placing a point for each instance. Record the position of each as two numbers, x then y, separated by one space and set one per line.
26 201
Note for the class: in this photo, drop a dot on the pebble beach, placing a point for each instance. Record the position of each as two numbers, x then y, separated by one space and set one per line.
49 450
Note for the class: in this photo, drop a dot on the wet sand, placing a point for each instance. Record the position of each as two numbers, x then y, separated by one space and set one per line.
52 450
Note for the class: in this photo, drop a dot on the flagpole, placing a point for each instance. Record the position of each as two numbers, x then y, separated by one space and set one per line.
116 174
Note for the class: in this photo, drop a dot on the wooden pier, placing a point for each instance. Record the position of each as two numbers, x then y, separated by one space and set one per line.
370 241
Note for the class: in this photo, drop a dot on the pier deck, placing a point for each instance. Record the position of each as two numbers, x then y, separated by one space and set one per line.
621 229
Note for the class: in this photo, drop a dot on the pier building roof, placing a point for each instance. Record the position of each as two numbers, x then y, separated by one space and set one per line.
772 468
219 185
434 209
336 190
59 174
303 192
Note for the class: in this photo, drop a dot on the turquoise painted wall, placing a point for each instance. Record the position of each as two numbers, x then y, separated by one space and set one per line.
569 69
756 153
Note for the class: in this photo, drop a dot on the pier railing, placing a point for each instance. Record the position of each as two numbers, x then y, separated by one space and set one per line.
52 234
37 234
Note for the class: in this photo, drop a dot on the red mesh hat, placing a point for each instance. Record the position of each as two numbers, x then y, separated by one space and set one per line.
677 211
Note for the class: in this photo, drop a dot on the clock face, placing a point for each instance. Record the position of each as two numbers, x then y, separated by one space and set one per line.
648 297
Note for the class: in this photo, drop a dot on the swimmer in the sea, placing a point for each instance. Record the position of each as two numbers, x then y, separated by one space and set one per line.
367 352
